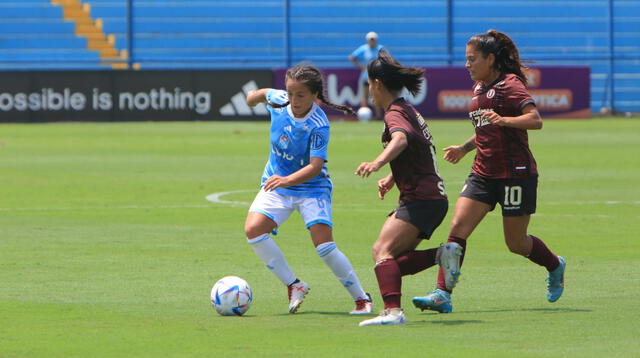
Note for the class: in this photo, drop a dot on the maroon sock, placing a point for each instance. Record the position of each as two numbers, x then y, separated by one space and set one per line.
541 255
461 242
414 261
390 282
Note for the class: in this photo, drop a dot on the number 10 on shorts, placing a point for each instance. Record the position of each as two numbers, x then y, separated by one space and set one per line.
512 195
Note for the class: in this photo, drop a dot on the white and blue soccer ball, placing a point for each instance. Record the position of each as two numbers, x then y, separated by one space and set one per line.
231 296
364 114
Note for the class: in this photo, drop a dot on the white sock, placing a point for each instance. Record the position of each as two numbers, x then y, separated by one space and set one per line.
273 258
342 268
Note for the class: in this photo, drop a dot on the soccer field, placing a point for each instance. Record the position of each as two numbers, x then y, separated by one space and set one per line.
108 247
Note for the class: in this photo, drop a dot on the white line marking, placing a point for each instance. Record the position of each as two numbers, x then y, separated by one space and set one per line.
216 197
121 207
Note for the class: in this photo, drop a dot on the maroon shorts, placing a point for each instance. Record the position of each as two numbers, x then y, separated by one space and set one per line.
517 196
426 215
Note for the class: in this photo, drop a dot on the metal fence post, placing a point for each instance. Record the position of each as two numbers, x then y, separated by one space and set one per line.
611 59
287 33
450 32
130 34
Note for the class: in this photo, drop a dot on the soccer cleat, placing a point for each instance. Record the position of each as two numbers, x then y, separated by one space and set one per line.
297 291
448 257
438 300
390 317
555 281
364 305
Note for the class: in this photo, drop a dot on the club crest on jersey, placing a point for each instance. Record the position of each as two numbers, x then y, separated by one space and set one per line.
491 93
284 141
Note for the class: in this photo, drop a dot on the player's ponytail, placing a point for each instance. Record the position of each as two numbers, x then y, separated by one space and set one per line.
312 78
393 75
504 50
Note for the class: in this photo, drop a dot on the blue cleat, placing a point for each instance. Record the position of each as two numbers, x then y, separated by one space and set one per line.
438 300
555 281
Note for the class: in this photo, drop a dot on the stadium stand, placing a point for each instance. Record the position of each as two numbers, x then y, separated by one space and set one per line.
268 34
58 34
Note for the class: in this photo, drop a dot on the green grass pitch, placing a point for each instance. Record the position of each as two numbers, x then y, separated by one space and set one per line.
109 249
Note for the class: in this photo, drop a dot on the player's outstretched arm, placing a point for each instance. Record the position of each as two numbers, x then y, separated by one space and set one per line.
397 144
256 97
454 153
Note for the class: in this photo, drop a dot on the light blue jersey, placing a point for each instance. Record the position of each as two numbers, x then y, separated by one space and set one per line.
294 141
365 54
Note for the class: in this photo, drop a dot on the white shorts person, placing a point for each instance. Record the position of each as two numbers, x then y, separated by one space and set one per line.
278 208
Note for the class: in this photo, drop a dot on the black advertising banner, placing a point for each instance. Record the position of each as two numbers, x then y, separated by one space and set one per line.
49 96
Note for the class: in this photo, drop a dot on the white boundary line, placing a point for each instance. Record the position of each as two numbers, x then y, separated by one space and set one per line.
216 198
119 207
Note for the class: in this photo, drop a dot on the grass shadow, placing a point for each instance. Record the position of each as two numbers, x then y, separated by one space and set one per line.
543 310
328 313
457 322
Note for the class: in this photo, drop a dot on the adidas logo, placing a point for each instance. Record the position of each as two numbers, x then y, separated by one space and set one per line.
238 105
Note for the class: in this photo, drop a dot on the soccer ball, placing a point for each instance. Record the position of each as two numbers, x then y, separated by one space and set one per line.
231 296
365 114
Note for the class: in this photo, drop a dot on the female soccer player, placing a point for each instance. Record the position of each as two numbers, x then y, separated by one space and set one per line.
504 170
295 178
423 204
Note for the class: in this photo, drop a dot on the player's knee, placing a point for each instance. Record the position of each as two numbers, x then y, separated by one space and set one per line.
379 252
517 248
252 231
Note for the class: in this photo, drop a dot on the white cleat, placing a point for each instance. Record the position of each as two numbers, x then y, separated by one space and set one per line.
364 305
448 257
297 291
390 317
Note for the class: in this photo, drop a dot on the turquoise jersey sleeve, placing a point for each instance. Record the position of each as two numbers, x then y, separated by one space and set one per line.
319 143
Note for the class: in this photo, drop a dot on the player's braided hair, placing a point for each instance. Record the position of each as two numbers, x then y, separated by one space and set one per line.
312 78
504 49
393 75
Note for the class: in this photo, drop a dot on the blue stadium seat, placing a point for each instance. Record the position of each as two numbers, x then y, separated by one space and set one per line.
34 35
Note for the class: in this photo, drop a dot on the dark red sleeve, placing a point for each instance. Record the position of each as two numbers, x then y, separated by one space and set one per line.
518 96
397 122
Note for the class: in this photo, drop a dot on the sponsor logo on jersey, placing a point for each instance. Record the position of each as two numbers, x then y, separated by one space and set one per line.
238 106
476 117
317 141
281 154
491 93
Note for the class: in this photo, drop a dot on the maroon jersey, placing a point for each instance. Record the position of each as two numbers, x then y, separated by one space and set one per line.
414 170
501 152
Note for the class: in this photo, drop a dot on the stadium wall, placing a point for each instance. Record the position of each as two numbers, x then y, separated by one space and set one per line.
251 34
180 95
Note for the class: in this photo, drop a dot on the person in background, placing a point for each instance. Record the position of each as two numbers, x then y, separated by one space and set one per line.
361 58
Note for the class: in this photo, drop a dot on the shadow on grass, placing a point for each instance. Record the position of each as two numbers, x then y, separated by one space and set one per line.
302 313
456 322
543 310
